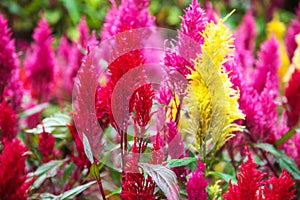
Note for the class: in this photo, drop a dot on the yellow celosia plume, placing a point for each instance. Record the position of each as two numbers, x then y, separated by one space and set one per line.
295 61
277 28
212 104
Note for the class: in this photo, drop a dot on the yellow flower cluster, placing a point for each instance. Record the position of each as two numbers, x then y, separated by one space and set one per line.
212 104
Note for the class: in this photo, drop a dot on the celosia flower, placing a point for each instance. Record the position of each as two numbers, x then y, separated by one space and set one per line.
40 62
131 14
196 185
277 28
13 173
8 122
279 188
269 62
69 59
174 139
245 42
10 85
249 180
258 100
46 145
135 185
81 159
189 39
8 62
292 93
202 92
290 36
250 184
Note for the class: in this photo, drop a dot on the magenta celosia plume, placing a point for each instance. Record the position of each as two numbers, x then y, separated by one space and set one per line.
10 85
189 39
130 14
245 41
39 62
196 185
290 36
8 57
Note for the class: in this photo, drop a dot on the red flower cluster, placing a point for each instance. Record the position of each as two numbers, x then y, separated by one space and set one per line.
80 160
46 146
292 93
8 119
13 174
251 186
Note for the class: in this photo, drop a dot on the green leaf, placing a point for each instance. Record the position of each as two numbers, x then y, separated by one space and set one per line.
67 173
58 120
48 196
36 109
269 148
87 149
45 171
70 194
225 177
290 166
73 10
95 171
283 160
117 191
285 137
183 162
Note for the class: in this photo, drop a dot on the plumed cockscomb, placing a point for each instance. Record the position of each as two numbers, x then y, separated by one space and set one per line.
245 41
8 57
196 185
189 39
130 14
249 180
268 64
290 36
13 173
46 145
39 62
10 86
279 188
292 93
8 119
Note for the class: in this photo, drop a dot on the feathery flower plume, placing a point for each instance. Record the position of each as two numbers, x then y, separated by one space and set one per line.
8 119
216 49
10 85
290 36
13 173
249 180
250 184
279 188
40 62
258 101
189 39
269 62
245 42
81 159
196 185
292 93
277 28
8 57
46 145
130 14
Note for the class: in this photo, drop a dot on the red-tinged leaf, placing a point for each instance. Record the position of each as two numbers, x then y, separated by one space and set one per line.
164 178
